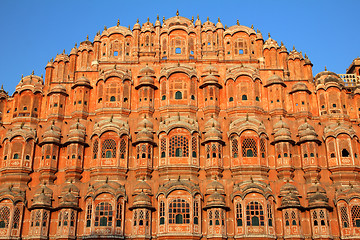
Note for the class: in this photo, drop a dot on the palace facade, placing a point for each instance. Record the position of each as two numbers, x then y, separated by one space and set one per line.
181 130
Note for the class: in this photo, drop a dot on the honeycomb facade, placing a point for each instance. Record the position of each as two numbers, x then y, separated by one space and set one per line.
181 130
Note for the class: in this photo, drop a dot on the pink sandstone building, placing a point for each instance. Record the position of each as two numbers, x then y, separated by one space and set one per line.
181 130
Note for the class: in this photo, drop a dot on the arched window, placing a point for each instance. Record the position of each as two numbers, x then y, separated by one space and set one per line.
163 147
4 217
231 99
16 156
254 214
179 212
118 214
194 147
355 215
108 149
162 213
16 221
103 215
249 148
122 148
262 147
344 153
179 146
88 215
95 148
239 216
178 95
234 148
196 212
112 99
244 97
344 216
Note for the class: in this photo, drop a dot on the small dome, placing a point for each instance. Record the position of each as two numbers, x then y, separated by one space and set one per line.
142 200
145 123
213 135
215 186
144 135
327 77
211 79
280 124
147 71
77 132
219 25
299 87
42 197
216 198
270 43
50 64
357 91
295 55
274 79
52 134
142 186
288 188
74 51
212 122
146 80
210 70
32 82
137 25
58 89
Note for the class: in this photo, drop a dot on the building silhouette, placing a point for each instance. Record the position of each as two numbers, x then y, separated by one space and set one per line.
181 130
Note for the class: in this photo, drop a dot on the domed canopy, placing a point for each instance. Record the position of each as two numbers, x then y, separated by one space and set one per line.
82 81
144 132
274 79
215 200
147 71
215 186
42 198
297 87
142 201
77 133
317 197
58 89
142 186
270 43
306 133
327 77
52 134
32 82
281 132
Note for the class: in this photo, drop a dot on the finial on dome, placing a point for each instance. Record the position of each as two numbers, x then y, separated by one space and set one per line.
226 26
137 20
157 17
118 23
75 44
294 48
32 73
2 86
115 66
148 19
177 12
22 76
129 27
247 116
192 19
179 178
197 17
107 180
306 56
87 39
237 22
269 35
41 76
325 68
219 19
282 44
105 28
163 19
64 51
111 118
178 63
207 19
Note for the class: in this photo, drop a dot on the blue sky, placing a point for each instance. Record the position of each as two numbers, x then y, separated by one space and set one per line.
33 32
